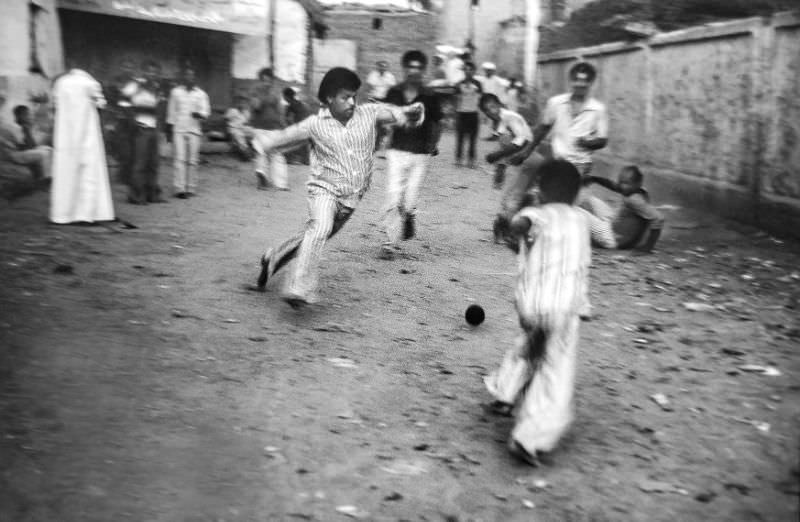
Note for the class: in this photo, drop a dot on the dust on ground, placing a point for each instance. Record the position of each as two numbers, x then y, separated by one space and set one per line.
140 380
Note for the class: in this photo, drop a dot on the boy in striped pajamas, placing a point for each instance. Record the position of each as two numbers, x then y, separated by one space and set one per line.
536 376
342 137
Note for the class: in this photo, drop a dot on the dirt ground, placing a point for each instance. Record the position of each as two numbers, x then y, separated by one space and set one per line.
140 380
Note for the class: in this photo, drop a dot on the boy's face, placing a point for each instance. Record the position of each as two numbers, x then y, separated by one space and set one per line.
492 110
469 71
414 70
343 104
188 77
580 84
627 182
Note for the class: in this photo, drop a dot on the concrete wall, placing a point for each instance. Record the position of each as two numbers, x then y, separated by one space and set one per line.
17 83
711 113
455 22
399 32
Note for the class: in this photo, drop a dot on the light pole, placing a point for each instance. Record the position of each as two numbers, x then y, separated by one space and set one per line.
533 15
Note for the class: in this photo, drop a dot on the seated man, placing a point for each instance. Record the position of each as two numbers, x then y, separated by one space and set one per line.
18 145
237 118
636 223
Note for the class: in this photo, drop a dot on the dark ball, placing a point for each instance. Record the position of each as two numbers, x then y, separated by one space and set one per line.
474 314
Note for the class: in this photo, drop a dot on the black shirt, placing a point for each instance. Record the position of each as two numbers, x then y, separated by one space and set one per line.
418 140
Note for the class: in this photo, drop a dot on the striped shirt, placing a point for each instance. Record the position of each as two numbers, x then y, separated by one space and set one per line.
341 154
553 271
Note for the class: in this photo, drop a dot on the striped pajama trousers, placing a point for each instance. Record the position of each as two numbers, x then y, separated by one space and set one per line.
326 216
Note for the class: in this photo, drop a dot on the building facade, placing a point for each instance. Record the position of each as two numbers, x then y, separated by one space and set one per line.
30 53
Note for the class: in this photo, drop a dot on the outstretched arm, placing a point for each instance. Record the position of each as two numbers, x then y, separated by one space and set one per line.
409 116
603 182
292 135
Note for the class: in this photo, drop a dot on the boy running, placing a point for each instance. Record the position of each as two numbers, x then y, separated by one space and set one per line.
342 137
536 377
409 152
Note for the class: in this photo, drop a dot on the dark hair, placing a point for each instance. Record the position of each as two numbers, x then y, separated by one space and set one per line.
583 68
288 92
469 64
21 109
486 98
634 170
335 80
265 71
414 56
559 181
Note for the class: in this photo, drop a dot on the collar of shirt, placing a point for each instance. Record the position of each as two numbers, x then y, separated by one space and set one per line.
589 104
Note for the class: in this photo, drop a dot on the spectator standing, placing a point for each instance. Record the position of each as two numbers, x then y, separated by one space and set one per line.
141 99
296 111
188 107
468 93
380 81
81 191
267 115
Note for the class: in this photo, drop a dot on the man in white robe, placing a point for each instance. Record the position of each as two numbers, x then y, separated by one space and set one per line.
81 191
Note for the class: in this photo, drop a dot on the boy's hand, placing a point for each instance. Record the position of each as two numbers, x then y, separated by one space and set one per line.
415 113
520 226
197 116
494 156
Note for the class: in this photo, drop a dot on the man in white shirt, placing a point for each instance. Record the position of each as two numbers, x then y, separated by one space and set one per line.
492 83
579 123
187 108
380 81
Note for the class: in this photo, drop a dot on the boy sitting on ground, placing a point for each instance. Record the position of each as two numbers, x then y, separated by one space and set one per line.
636 223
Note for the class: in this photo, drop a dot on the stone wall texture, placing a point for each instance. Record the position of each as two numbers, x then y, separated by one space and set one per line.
398 32
715 110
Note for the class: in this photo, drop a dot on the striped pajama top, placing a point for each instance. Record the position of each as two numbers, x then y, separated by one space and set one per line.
553 270
341 154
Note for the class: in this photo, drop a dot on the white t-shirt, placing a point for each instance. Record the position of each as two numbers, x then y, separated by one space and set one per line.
380 83
591 121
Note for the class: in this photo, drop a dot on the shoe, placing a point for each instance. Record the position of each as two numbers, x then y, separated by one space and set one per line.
181 195
387 252
263 277
295 300
134 201
409 230
516 449
499 177
263 182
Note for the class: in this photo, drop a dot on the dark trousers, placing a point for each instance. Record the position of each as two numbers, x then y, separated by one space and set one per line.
466 128
143 183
